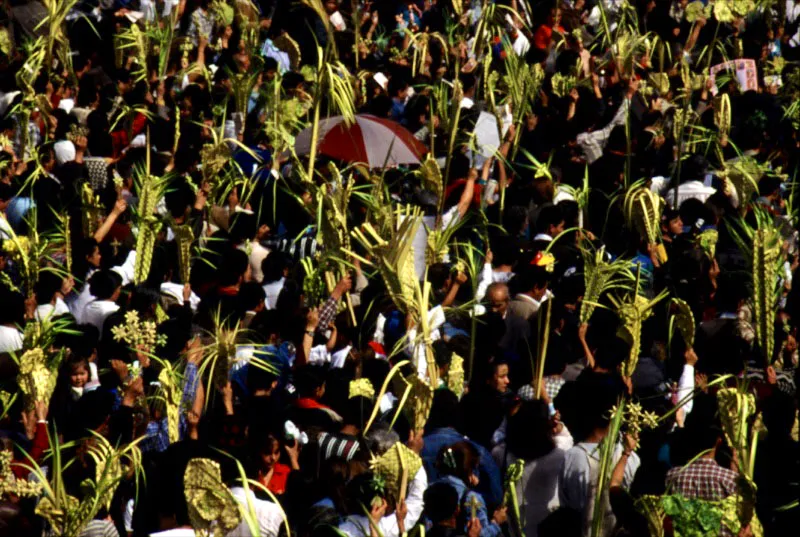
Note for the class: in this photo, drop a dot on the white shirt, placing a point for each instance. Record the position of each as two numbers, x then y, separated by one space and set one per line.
175 290
97 312
177 532
521 44
574 481
10 339
66 104
273 290
45 311
65 151
269 515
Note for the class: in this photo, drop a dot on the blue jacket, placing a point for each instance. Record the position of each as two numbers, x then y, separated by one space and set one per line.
490 484
488 529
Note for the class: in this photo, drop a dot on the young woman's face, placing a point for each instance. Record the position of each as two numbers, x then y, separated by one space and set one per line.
94 257
79 376
500 380
272 455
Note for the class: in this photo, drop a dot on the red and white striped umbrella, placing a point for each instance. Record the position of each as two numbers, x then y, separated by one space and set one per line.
374 141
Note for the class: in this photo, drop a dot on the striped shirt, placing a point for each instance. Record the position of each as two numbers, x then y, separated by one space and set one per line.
332 445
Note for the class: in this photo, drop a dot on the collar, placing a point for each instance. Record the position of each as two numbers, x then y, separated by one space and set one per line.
307 402
543 237
728 315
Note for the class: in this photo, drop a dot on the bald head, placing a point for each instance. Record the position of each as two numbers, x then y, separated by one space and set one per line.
497 296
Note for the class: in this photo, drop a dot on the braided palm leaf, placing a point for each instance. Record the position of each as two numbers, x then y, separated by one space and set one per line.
396 466
36 379
766 259
722 114
213 511
151 190
421 43
633 310
184 237
684 320
601 275
707 240
652 509
169 379
643 209
455 375
743 174
514 474
431 176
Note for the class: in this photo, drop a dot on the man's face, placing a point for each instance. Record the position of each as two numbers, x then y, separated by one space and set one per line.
554 231
498 301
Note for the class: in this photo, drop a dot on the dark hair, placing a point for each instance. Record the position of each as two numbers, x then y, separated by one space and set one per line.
273 266
458 460
308 379
550 215
103 283
529 435
251 294
49 284
442 353
233 267
444 410
438 274
360 492
441 502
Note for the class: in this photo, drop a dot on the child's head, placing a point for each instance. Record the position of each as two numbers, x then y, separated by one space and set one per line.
441 503
459 460
77 370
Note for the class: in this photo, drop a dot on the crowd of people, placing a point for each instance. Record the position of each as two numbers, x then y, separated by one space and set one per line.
569 313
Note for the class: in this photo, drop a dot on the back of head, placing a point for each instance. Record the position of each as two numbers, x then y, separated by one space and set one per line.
103 283
441 502
444 410
529 431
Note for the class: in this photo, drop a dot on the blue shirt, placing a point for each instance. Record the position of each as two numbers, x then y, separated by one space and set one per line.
490 484
465 495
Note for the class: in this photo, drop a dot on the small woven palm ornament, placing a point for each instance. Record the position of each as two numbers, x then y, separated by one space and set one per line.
10 485
184 237
455 376
707 240
35 379
396 466
171 394
213 511
684 321
361 388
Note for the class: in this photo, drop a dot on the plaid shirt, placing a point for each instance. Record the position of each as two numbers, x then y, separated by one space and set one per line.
552 385
327 313
703 479
157 432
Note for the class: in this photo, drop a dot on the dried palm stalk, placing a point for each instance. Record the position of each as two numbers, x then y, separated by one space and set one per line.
91 210
643 209
601 275
651 508
213 511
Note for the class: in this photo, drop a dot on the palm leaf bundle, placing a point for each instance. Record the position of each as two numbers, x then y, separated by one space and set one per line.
514 474
29 252
522 82
707 240
25 78
53 23
396 467
722 114
361 388
437 246
601 275
643 209
430 176
421 43
606 454
652 509
394 258
150 190
743 173
135 40
633 310
762 248
67 515
736 408
213 511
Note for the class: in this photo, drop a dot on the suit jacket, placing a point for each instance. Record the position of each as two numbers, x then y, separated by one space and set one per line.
523 307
